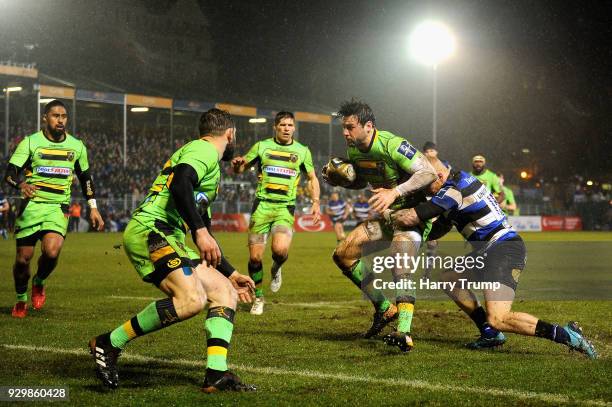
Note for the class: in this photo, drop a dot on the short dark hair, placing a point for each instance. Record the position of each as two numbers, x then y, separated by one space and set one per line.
215 122
283 115
430 145
53 104
357 108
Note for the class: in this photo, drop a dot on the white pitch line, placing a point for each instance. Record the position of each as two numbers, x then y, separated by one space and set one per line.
416 384
317 304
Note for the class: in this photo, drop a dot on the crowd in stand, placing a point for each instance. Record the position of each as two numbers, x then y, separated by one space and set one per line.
120 187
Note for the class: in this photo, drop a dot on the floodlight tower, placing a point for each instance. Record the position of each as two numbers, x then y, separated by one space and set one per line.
7 107
431 43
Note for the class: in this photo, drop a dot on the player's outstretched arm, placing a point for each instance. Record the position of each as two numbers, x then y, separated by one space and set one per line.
315 193
239 164
407 218
87 186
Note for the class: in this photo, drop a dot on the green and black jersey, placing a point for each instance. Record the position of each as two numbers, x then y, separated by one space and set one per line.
389 161
279 167
159 205
50 165
490 180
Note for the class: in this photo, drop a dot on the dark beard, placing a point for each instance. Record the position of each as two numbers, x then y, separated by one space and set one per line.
228 154
56 134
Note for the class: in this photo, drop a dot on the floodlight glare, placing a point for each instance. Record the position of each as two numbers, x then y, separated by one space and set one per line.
139 109
431 43
13 89
258 120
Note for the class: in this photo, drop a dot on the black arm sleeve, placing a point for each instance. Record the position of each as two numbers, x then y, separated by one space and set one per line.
224 267
183 182
12 175
87 185
439 228
428 210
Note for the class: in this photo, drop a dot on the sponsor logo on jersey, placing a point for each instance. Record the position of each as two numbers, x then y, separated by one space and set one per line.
406 149
174 263
271 169
53 170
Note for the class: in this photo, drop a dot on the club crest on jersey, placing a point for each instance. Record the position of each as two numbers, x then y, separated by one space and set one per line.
406 149
70 156
273 170
53 171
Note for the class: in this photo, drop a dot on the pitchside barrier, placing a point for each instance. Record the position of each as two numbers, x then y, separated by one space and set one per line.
239 222
545 223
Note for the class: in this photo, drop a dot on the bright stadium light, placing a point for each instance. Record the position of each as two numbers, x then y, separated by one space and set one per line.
13 89
431 43
590 183
258 120
139 109
524 175
45 101
7 107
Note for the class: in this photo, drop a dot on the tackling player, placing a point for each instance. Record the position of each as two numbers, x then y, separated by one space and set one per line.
49 158
154 241
279 160
430 150
338 211
487 177
396 170
460 200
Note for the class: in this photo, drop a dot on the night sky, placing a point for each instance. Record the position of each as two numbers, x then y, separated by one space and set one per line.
533 75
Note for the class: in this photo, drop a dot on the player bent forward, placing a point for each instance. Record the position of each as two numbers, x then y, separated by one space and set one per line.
155 244
461 200
397 171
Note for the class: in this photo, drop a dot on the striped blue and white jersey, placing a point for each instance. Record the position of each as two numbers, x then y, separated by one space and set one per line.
361 211
2 202
472 209
337 209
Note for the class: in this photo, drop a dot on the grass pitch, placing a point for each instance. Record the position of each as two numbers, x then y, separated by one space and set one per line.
306 348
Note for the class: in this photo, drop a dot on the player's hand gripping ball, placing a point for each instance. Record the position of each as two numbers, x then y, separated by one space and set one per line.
339 172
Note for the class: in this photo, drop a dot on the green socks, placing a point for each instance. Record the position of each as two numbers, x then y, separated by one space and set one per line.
256 273
356 275
38 281
157 315
404 319
219 326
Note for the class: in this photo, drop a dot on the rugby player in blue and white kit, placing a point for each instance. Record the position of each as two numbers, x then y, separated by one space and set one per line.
338 210
460 200
361 209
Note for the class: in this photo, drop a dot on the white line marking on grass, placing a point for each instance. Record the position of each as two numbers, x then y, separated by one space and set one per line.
416 384
128 297
317 304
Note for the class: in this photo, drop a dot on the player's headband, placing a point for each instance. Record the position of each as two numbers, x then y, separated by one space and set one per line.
479 158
